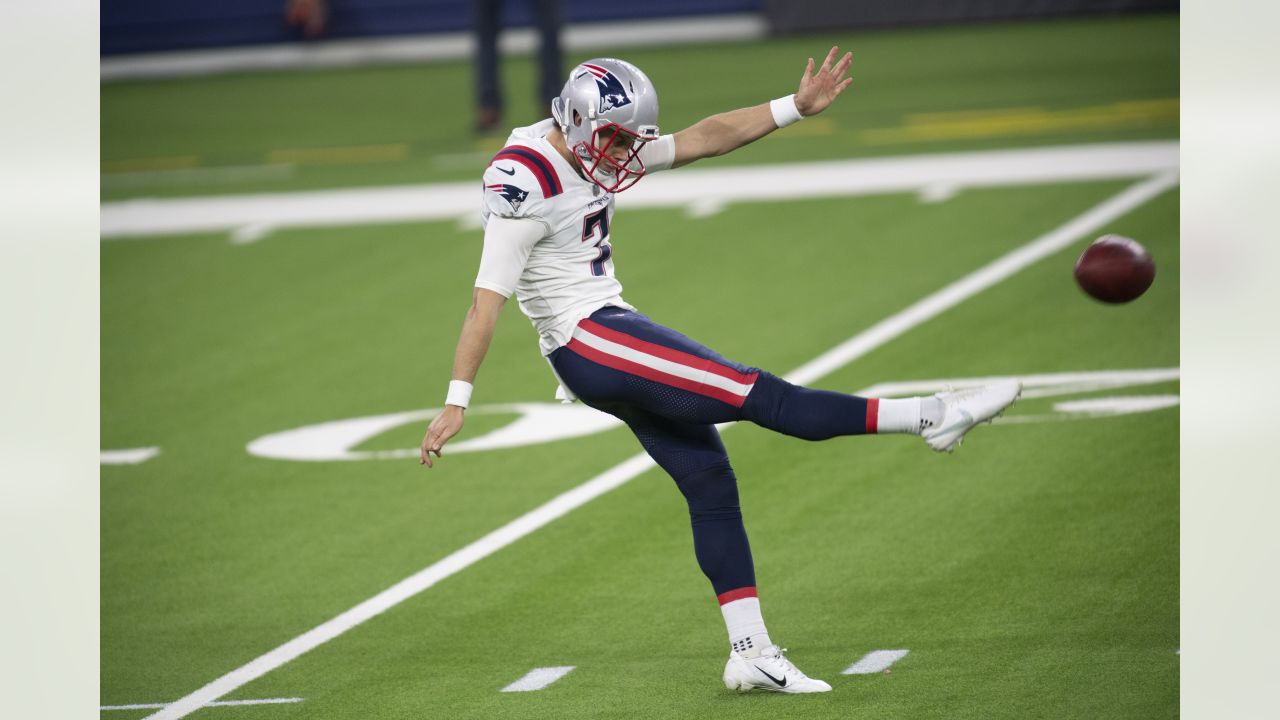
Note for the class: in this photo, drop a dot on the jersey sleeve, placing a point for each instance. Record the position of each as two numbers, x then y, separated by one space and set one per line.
521 182
660 154
507 244
513 191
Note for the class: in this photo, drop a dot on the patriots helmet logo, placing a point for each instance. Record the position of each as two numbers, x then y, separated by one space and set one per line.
612 94
511 193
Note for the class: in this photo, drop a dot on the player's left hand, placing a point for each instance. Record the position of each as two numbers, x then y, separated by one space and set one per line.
818 90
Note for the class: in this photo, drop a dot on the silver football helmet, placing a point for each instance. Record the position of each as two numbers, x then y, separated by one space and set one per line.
608 104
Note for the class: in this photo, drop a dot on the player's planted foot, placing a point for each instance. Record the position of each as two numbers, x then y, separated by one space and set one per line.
968 407
770 670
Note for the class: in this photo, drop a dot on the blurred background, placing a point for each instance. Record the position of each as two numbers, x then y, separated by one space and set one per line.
202 97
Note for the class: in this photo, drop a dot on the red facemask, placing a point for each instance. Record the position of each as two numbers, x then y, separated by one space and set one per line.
601 168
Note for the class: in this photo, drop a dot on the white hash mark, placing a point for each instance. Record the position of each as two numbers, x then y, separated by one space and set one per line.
875 661
538 678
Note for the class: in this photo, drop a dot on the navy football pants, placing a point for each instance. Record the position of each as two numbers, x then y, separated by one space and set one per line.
671 391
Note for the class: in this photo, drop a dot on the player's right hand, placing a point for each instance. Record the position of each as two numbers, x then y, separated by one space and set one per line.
444 426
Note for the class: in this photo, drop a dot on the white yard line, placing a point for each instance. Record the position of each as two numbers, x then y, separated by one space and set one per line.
857 346
412 585
875 661
218 703
538 678
702 190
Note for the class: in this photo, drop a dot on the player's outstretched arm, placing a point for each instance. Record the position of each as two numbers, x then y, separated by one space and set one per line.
726 132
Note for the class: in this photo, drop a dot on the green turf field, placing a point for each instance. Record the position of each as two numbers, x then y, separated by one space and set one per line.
1033 574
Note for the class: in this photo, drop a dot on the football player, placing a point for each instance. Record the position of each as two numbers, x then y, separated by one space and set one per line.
548 203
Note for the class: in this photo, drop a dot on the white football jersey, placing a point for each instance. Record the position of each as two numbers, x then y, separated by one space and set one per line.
568 273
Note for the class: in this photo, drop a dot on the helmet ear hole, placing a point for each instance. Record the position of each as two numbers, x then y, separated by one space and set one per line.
577 119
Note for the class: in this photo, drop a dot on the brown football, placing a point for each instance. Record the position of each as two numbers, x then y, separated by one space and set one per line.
1115 269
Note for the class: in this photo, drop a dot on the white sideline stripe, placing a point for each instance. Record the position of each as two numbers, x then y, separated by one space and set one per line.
218 703
132 456
654 362
429 47
702 187
538 678
861 344
875 661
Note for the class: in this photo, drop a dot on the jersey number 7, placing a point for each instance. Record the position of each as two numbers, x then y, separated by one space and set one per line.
596 227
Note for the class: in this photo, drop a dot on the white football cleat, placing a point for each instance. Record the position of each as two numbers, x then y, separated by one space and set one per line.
770 671
968 407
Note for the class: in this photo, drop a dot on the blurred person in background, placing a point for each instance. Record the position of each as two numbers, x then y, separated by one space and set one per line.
488 84
548 205
311 16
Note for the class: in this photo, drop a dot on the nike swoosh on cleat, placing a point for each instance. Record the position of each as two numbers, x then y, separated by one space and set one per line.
511 172
779 683
968 419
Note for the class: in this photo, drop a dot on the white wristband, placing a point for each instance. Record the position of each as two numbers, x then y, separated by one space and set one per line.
459 393
785 111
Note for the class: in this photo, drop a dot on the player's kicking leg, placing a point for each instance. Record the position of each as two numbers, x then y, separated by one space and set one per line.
673 376
942 419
